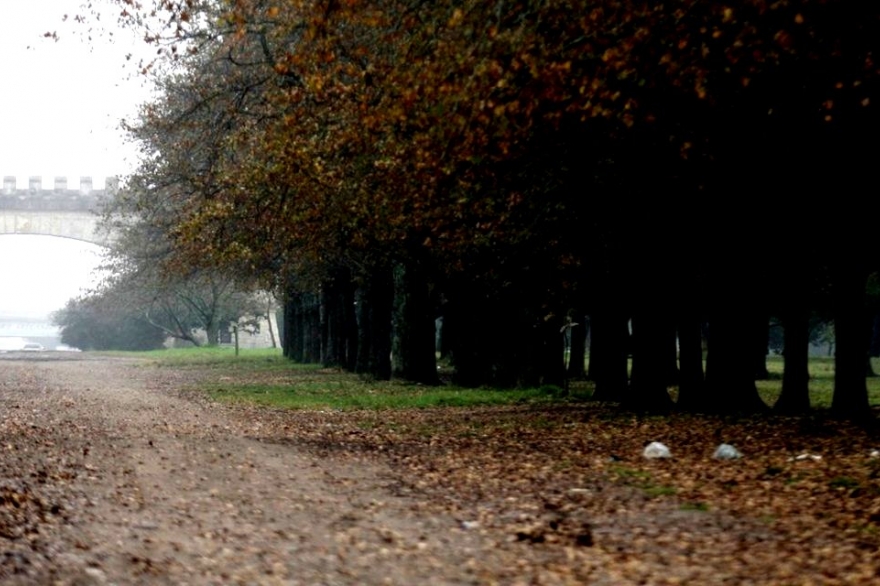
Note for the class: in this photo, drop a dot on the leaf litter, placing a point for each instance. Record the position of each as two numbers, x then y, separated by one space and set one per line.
561 493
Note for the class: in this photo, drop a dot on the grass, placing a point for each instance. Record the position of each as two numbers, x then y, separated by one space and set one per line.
211 355
657 490
277 381
844 482
643 480
270 379
351 393
821 382
218 357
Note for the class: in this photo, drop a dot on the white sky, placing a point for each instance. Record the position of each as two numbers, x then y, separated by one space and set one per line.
40 273
60 107
61 101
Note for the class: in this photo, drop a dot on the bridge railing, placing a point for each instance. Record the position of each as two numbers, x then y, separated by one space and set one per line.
60 198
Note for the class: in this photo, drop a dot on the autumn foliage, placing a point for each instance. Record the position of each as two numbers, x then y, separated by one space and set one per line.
502 163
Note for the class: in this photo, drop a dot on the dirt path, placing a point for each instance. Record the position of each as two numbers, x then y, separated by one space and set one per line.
109 476
111 472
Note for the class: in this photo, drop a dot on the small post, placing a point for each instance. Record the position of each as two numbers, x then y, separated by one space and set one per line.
235 334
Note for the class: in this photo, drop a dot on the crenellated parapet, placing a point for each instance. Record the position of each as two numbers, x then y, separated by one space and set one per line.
37 197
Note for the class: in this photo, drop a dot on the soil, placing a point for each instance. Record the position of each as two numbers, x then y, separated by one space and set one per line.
112 472
117 479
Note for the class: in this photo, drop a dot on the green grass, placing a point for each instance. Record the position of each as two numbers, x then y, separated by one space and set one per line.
643 480
209 355
280 382
631 475
843 482
265 377
658 490
218 357
821 382
348 393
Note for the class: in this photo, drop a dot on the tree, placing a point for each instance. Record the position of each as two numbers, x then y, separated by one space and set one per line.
479 139
185 301
91 324
186 308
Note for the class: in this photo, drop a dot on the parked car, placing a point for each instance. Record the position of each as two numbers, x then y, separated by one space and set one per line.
32 347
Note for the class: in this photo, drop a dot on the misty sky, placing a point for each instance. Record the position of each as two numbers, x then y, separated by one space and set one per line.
40 273
62 100
60 107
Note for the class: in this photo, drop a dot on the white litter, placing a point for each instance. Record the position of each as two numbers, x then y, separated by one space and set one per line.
726 452
656 450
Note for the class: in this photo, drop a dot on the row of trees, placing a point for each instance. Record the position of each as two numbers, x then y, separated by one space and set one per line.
142 310
510 164
142 302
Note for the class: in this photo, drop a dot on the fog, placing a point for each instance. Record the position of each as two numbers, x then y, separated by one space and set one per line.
63 99
38 274
66 88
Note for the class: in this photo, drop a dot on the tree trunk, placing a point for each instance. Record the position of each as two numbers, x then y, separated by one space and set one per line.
551 358
730 373
443 340
269 311
522 343
375 299
691 395
850 390
608 354
311 328
577 350
873 328
795 396
467 334
653 331
382 302
329 346
761 346
414 344
365 329
333 320
285 326
351 326
212 333
293 326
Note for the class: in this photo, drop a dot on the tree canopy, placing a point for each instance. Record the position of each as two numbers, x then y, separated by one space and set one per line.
522 158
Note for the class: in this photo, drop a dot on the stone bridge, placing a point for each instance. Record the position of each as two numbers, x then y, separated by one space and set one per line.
68 213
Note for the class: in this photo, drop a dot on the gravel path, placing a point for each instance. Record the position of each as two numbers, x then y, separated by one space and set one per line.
108 475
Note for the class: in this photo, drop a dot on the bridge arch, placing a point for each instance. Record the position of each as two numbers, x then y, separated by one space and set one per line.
40 275
63 212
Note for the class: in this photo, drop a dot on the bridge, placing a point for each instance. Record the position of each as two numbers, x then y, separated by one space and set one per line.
68 213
